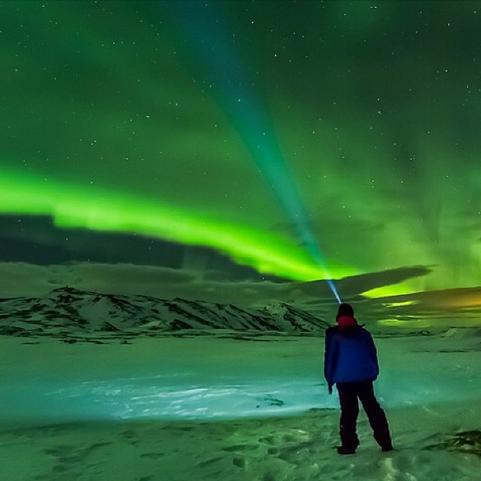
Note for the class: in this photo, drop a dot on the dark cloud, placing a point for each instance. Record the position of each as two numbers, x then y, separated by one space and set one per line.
36 240
28 279
365 282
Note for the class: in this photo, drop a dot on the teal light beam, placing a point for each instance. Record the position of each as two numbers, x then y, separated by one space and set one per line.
235 91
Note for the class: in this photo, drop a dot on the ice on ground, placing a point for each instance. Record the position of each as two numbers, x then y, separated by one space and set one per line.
206 377
209 408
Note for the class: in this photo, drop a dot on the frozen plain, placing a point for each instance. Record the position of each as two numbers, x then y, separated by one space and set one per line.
220 407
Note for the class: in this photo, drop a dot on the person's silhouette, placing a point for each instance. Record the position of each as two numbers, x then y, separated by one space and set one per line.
350 362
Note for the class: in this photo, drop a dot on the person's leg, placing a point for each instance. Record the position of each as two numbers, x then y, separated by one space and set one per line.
375 414
349 412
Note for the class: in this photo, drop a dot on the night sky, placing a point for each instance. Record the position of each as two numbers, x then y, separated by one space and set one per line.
299 140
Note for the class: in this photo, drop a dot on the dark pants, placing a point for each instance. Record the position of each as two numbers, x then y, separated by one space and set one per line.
348 394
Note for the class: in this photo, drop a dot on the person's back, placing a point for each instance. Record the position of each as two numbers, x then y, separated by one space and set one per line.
354 354
350 362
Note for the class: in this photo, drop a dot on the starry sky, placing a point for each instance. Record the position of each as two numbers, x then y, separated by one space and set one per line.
266 140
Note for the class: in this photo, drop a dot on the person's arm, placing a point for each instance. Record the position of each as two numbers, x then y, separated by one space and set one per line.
373 353
330 356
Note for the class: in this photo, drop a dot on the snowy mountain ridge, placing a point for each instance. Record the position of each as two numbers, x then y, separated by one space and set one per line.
67 310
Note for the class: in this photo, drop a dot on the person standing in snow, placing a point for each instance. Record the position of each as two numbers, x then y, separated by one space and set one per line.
350 362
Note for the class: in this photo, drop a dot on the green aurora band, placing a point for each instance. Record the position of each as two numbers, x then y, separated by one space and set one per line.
70 206
106 126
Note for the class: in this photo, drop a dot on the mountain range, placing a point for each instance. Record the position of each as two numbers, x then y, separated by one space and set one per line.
67 312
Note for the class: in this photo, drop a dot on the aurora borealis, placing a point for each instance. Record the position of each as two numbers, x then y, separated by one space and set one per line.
112 121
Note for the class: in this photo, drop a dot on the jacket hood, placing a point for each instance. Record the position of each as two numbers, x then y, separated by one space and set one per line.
346 322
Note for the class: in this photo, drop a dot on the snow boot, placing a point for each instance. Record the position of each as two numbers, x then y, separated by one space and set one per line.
345 450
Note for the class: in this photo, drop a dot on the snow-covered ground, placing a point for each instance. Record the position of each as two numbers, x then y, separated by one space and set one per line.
210 408
207 377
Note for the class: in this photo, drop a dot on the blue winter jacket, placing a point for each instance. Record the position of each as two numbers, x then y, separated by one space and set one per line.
349 355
